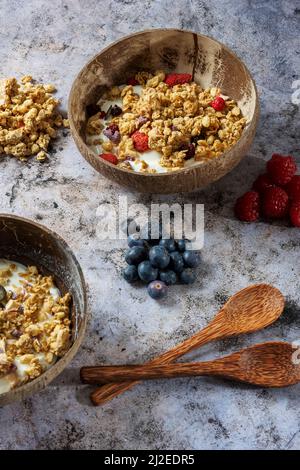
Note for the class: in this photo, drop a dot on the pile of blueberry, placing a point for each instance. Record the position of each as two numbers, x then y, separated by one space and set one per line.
159 263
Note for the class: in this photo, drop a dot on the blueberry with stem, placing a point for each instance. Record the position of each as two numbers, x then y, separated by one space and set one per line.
157 289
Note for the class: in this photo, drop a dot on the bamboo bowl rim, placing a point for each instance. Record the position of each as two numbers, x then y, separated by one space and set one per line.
41 382
181 170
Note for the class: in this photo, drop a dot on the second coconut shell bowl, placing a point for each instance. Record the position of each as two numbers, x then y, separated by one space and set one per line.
29 243
211 64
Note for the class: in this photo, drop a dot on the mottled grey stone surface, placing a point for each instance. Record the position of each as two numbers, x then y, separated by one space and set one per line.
52 41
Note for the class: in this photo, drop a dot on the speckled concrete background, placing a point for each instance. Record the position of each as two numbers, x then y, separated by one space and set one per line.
52 41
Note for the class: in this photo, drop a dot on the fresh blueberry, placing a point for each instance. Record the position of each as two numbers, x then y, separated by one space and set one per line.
129 226
191 258
134 240
187 276
135 255
130 273
181 245
157 289
115 110
176 262
168 276
159 257
147 272
168 243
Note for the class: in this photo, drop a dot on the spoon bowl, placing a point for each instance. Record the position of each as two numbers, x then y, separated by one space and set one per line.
252 308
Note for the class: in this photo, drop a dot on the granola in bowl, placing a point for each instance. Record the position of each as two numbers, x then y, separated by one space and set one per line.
34 324
28 118
162 122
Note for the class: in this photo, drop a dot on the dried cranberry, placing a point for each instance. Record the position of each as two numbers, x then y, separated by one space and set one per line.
115 110
142 120
113 127
132 81
92 109
191 152
112 133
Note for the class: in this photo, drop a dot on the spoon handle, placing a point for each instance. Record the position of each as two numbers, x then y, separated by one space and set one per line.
226 367
215 330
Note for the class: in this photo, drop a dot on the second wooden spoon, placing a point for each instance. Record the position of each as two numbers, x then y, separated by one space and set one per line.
250 309
266 364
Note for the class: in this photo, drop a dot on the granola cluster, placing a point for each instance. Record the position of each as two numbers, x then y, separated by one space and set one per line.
28 118
34 325
180 121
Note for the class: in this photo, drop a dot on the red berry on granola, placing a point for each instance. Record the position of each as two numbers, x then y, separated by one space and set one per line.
262 183
247 207
281 169
132 81
109 157
172 79
140 141
218 103
295 213
293 188
275 203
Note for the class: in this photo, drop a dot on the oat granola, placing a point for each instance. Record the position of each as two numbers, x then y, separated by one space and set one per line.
34 324
180 122
28 118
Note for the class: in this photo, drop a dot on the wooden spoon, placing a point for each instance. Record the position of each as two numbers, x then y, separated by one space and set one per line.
250 309
267 365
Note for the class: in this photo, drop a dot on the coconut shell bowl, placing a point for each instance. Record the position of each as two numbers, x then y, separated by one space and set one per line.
210 63
32 244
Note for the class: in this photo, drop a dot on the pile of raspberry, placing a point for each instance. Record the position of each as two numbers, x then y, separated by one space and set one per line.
274 195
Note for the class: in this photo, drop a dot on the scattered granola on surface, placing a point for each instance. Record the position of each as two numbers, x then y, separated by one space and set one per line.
162 122
28 118
34 324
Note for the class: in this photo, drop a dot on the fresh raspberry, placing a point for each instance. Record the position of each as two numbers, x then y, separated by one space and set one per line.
218 103
102 114
109 157
262 183
132 81
281 169
275 203
293 188
295 213
247 207
140 141
172 79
